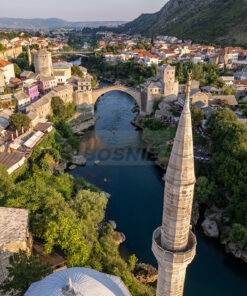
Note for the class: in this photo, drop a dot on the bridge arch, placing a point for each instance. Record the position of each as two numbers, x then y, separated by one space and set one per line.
134 93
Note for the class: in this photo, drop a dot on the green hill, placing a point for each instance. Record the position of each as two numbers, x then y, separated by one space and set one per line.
206 21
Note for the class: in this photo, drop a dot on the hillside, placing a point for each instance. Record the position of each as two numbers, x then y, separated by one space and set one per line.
21 23
207 21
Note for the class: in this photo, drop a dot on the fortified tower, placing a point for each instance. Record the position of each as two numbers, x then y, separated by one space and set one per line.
43 63
174 244
166 74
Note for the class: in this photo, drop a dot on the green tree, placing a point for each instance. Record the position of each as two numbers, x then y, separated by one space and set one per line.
76 71
204 189
23 271
94 81
65 233
17 70
221 115
6 183
58 107
132 262
197 116
238 234
2 48
19 120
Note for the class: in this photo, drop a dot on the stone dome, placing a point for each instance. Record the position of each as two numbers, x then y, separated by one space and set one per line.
83 282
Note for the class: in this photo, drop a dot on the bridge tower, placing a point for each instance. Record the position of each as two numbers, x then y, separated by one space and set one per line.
174 244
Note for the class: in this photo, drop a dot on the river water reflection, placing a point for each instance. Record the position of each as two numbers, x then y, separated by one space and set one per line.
136 189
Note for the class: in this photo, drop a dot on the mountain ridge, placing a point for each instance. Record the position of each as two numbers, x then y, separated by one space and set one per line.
212 21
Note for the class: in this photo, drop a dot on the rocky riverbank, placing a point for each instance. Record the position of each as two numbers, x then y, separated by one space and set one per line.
83 120
216 225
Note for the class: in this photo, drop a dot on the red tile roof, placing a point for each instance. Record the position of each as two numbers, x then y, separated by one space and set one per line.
4 63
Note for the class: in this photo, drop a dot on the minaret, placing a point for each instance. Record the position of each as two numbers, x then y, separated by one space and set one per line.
174 244
29 56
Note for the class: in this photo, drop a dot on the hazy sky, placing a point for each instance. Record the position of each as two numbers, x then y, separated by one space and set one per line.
79 10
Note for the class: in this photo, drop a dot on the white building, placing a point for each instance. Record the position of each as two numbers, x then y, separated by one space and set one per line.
22 100
196 59
60 77
229 80
7 70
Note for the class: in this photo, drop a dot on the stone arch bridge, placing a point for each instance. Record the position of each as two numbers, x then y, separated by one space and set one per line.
136 94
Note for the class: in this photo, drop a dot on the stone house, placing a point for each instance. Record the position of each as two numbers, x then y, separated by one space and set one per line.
62 66
84 84
14 236
22 100
60 77
32 90
33 117
26 75
47 83
42 107
12 161
65 92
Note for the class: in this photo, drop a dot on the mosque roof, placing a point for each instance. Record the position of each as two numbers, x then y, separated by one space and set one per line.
84 282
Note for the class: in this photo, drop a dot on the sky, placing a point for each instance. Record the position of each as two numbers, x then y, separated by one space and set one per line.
79 10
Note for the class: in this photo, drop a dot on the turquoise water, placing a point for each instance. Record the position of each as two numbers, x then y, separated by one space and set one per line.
136 202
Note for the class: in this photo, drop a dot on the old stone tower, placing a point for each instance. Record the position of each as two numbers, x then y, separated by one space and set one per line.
166 74
174 244
43 63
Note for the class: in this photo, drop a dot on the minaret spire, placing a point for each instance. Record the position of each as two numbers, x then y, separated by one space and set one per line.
174 243
29 56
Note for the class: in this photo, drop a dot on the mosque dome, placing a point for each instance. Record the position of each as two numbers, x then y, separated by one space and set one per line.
79 282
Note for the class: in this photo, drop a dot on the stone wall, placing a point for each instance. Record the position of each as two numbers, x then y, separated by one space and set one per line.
83 97
11 53
65 93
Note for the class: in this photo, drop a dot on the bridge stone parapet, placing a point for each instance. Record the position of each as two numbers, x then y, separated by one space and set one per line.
135 93
77 53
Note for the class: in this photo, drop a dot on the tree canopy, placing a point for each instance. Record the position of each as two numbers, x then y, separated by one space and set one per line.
19 120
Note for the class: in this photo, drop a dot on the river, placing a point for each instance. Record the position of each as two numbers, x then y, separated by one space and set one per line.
136 188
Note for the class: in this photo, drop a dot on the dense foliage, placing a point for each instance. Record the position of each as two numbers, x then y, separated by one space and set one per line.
19 120
66 213
207 74
228 170
130 73
197 116
24 270
76 71
60 110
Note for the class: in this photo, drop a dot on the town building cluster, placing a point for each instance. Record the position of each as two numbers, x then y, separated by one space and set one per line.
171 49
32 94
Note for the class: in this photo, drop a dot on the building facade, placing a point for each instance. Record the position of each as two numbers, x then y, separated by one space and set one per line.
7 70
